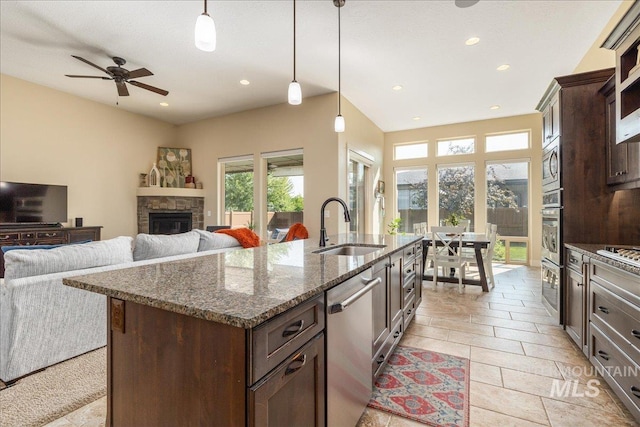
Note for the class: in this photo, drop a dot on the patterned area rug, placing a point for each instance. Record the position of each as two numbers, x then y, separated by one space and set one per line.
425 386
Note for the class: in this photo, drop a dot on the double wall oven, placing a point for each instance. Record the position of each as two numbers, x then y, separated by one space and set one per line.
552 294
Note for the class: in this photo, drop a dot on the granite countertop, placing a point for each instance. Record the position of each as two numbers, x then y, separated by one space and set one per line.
591 249
241 288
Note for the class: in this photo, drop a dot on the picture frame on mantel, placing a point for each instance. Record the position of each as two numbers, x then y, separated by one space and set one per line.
174 165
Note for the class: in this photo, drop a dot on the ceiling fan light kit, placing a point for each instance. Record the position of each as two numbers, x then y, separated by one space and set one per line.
339 124
205 33
294 94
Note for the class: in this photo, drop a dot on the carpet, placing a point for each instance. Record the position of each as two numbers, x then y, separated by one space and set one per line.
47 395
424 386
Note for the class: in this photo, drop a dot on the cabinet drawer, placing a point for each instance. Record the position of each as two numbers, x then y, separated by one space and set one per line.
380 359
409 253
9 236
409 289
574 261
409 269
619 319
294 393
617 369
620 282
409 310
28 235
275 340
49 234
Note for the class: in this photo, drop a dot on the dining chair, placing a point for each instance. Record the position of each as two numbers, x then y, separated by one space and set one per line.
491 233
446 243
466 223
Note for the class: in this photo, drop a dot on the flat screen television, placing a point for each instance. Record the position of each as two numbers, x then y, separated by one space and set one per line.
22 203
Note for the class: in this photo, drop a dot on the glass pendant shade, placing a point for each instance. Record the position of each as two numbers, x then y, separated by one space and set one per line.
339 123
205 33
295 93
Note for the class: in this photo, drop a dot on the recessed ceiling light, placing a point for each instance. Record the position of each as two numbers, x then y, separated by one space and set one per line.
494 107
397 87
164 104
416 118
245 82
471 41
503 67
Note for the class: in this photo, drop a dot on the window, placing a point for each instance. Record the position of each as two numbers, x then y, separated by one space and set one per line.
506 142
456 192
456 146
410 151
411 198
507 206
285 192
238 191
358 176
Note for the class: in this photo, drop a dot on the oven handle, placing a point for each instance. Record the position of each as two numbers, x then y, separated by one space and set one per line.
551 266
552 211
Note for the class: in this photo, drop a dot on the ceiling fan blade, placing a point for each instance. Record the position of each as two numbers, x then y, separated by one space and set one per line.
151 88
122 88
88 77
91 63
140 72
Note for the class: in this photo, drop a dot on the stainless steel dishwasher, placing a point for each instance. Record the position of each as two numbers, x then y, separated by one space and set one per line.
349 338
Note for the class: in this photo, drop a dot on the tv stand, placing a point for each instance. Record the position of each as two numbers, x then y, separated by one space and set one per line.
43 234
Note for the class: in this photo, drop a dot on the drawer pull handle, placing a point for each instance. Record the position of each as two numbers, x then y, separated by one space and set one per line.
297 363
51 234
635 391
409 290
380 359
409 312
603 354
605 310
293 328
4 237
635 333
397 334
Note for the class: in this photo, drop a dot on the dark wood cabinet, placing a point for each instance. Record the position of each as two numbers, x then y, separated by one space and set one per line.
551 121
294 393
575 299
30 236
623 160
198 372
613 317
625 40
381 307
396 294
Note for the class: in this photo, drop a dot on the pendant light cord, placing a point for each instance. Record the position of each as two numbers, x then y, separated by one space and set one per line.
339 83
205 6
294 40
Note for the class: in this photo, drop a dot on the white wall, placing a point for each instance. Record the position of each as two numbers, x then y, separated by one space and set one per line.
50 137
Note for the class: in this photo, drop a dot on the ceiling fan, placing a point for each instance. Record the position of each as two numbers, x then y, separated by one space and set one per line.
121 76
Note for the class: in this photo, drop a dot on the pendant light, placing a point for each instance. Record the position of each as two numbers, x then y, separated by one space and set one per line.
295 92
339 123
205 34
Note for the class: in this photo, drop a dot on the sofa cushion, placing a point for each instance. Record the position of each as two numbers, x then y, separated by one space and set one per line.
26 262
150 246
210 241
6 249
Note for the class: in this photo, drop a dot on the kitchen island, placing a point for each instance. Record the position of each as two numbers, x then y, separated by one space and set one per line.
238 338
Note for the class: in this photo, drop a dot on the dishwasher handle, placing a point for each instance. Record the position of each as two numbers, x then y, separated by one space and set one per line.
342 306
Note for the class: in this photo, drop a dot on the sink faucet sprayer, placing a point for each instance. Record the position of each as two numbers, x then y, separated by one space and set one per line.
323 231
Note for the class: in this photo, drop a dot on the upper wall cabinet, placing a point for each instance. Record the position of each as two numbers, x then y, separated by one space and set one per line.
625 40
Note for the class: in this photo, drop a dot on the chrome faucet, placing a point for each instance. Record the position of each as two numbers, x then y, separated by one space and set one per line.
323 231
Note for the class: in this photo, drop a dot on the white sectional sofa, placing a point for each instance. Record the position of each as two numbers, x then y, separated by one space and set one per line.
43 322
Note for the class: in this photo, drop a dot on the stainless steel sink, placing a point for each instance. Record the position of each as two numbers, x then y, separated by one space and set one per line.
350 250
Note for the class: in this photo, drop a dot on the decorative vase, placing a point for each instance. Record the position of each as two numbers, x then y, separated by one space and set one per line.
154 176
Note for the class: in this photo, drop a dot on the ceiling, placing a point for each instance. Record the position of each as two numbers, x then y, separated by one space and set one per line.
419 45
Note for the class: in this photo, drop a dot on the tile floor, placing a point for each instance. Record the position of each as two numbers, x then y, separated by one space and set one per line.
516 353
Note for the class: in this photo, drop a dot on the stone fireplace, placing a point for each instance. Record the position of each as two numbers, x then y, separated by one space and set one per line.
169 206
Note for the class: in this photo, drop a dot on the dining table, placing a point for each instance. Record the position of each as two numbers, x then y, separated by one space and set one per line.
475 241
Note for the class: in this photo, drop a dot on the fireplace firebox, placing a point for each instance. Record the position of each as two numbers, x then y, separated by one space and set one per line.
169 222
